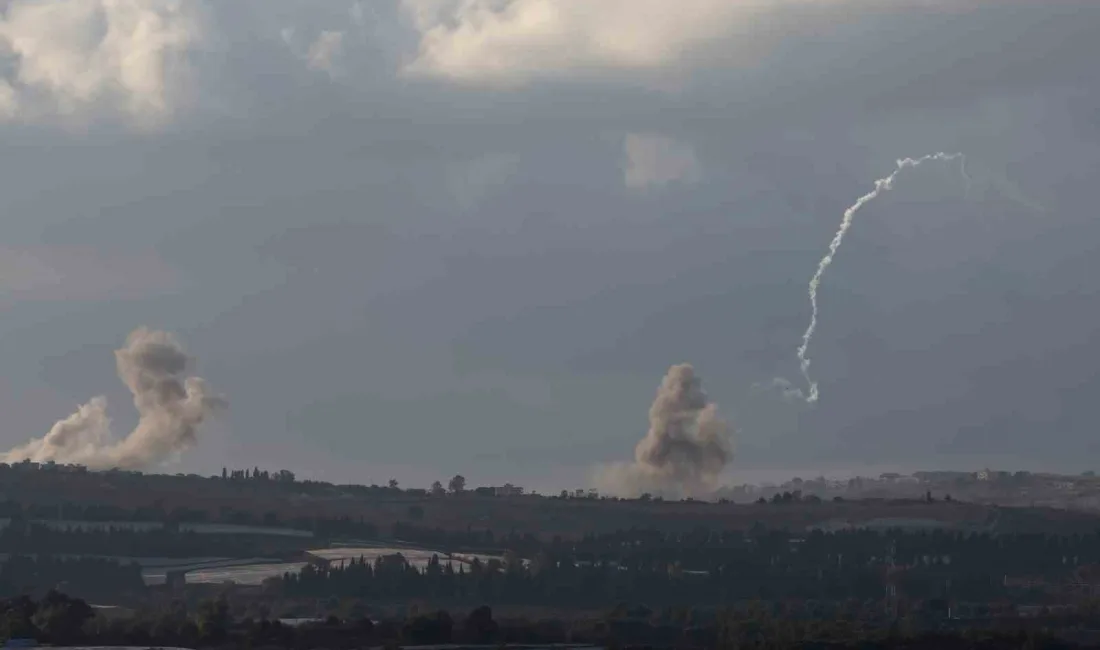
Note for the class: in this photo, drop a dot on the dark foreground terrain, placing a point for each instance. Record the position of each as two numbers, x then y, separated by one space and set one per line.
371 566
57 619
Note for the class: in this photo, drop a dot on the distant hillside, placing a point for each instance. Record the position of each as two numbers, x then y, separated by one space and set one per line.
73 495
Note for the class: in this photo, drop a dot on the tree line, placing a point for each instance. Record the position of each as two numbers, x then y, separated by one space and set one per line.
716 567
59 619
87 577
23 538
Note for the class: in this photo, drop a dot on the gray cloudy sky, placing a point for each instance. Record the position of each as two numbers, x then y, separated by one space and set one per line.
418 237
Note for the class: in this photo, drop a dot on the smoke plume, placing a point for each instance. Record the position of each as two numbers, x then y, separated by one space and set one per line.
881 185
687 445
170 407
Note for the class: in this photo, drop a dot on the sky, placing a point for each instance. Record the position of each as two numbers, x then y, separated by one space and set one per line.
413 238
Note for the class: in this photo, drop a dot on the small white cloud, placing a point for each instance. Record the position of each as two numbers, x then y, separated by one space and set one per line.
325 50
348 41
652 160
288 36
66 58
359 15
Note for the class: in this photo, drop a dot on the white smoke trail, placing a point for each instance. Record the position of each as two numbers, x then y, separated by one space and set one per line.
881 185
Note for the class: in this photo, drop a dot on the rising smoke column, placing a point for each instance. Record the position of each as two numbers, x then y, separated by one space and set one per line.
687 444
170 407
881 185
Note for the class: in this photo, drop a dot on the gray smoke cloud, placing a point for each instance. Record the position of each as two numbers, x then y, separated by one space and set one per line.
171 407
686 448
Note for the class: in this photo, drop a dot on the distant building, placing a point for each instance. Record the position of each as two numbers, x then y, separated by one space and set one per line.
508 490
940 476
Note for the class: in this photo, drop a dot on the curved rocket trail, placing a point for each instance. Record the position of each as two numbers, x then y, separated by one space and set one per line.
881 185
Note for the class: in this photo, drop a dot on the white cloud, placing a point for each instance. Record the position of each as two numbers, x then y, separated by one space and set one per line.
511 41
67 58
325 50
323 54
652 160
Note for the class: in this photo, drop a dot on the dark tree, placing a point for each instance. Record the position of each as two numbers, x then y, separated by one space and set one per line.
213 619
62 618
480 626
429 629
